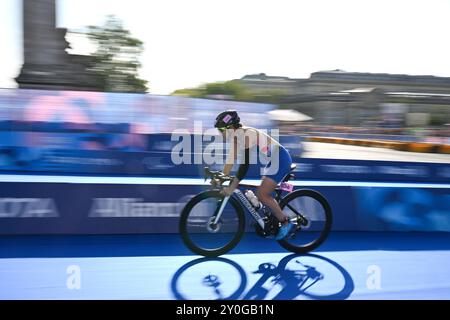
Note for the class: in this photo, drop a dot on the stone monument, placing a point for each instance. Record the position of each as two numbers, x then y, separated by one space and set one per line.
47 65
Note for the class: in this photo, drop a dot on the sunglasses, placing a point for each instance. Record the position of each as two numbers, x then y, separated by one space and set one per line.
222 129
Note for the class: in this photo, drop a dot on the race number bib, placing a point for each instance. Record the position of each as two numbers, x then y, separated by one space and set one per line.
285 186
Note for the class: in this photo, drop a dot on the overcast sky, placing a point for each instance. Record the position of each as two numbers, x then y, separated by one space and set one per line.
190 42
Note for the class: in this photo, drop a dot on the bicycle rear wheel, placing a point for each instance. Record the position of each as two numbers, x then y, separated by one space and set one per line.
198 231
312 209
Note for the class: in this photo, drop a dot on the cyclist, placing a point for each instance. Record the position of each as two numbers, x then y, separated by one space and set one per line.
229 124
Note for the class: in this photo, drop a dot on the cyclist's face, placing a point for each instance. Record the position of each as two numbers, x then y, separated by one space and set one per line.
223 131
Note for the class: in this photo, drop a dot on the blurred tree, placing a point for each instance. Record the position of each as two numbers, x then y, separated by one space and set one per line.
231 90
115 62
228 89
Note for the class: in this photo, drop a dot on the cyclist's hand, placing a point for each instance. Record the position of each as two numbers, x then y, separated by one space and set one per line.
216 182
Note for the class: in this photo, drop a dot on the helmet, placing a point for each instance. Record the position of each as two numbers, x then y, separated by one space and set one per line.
226 119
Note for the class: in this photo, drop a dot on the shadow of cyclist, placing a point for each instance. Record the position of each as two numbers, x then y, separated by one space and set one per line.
289 279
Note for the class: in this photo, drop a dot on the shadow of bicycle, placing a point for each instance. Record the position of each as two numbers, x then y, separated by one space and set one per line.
308 276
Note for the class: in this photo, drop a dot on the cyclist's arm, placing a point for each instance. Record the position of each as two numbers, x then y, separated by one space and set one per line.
231 158
227 168
241 172
243 168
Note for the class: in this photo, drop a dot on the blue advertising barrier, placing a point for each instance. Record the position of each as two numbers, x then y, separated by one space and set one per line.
72 208
116 154
95 205
35 204
372 170
161 162
402 209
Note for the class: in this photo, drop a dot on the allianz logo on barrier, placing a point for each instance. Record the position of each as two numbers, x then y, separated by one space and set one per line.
28 208
133 207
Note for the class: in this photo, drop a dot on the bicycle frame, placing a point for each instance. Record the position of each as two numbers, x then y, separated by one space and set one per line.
242 199
266 223
244 202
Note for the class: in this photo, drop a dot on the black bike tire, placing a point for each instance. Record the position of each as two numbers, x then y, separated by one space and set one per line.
328 223
210 252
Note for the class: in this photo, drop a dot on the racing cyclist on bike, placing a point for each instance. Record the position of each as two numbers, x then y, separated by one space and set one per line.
229 124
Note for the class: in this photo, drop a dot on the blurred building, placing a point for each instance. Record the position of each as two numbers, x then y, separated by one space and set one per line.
360 99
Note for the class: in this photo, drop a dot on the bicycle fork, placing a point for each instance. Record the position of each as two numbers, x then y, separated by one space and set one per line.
219 210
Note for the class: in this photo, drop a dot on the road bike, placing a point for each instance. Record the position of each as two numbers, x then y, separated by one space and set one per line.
212 224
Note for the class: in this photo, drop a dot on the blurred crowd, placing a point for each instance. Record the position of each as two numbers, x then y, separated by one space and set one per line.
435 134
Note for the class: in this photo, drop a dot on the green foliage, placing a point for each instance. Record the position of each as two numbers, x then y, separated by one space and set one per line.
115 61
439 119
232 90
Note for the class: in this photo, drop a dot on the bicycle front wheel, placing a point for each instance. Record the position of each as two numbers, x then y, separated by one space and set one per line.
312 214
199 231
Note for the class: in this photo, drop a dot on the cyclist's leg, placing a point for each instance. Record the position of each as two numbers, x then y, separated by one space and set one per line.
273 176
264 194
275 170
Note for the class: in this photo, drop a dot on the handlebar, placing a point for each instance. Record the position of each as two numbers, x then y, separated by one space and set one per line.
219 175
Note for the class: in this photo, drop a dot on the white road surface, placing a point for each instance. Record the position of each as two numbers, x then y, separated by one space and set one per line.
341 151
